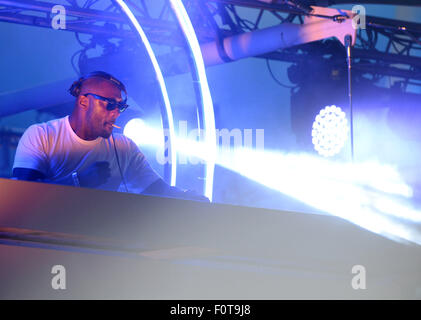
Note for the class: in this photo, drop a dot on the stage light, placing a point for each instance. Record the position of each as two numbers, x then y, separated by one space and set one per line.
142 134
330 131
371 195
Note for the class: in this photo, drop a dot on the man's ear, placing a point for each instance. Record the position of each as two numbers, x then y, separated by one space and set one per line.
83 102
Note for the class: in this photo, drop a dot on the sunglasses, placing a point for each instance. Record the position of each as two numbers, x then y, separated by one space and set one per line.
112 104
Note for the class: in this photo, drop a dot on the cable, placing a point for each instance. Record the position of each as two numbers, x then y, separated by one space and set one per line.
274 78
118 163
73 62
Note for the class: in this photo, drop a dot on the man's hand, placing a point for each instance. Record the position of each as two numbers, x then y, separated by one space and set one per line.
96 174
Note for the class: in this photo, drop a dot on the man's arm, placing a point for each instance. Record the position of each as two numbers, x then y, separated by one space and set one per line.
27 174
35 175
159 187
30 161
93 176
141 175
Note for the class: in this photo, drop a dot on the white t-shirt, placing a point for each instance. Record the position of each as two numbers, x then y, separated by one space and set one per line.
54 149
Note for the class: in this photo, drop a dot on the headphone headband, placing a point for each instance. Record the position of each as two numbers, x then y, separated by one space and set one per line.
77 85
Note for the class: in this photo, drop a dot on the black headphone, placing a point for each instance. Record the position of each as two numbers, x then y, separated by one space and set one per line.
74 90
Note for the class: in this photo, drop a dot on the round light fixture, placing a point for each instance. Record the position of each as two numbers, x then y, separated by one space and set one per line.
330 131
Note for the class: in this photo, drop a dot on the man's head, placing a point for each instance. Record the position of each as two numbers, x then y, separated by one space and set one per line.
97 108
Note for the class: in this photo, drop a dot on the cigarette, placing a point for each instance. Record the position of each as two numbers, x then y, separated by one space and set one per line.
115 126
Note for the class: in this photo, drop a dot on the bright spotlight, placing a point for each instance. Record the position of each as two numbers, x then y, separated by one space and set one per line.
371 195
330 131
137 130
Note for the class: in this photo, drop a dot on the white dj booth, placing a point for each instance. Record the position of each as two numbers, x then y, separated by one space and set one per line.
127 246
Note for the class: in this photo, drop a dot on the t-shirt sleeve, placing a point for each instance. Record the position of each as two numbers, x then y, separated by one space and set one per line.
139 173
30 152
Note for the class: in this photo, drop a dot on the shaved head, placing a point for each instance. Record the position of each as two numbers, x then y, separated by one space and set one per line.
101 87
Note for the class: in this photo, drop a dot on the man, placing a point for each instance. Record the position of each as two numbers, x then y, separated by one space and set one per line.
80 149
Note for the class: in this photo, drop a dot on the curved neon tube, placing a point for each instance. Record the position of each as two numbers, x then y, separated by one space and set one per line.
208 111
160 78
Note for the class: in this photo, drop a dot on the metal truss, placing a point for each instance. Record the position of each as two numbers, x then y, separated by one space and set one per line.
385 48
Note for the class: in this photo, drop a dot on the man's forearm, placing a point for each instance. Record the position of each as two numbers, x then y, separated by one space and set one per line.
35 175
67 181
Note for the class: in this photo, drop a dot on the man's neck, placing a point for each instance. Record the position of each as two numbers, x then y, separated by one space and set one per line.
79 129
